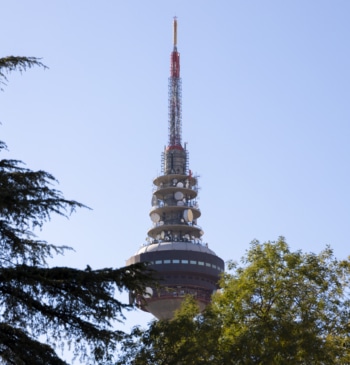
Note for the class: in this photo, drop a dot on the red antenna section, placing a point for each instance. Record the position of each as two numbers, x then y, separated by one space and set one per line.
175 64
175 56
175 95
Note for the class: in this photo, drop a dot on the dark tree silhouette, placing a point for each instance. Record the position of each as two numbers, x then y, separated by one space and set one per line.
43 307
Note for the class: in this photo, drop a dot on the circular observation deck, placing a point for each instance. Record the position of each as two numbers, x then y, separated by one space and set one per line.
182 268
174 180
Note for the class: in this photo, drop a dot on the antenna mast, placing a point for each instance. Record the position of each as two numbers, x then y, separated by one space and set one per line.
175 95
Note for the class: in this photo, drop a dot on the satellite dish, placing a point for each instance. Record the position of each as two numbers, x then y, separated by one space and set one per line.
178 195
162 234
188 215
148 292
174 181
161 223
201 233
154 200
180 185
155 217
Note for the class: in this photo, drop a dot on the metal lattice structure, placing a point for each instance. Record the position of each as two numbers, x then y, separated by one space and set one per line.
175 96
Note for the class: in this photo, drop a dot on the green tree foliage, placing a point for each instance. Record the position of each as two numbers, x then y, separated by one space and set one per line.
278 307
43 307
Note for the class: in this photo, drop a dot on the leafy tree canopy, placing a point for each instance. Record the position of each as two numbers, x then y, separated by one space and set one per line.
44 307
277 307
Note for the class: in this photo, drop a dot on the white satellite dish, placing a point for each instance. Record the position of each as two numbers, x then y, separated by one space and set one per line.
162 235
180 185
155 217
178 195
188 215
154 200
148 292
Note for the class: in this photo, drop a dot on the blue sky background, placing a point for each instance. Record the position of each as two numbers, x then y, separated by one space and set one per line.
266 90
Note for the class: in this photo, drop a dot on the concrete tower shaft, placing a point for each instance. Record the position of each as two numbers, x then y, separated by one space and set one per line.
183 264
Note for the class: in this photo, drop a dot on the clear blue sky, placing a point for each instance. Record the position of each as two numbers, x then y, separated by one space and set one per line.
266 90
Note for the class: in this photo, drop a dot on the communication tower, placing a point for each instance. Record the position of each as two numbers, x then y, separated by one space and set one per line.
183 264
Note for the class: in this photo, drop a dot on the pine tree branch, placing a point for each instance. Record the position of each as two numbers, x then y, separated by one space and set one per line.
17 63
70 304
18 348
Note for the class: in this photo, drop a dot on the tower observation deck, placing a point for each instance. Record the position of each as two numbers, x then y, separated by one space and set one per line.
175 249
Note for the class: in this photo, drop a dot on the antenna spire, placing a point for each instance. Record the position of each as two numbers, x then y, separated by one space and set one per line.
175 95
175 31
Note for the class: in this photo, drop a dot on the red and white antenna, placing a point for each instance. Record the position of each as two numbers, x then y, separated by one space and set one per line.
175 95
